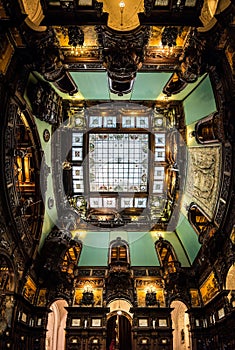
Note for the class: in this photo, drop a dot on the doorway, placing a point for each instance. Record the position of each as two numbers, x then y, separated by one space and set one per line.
118 333
55 338
180 325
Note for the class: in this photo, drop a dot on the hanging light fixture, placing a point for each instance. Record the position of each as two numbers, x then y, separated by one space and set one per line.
121 5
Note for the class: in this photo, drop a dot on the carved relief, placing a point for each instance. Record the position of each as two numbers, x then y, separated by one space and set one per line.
203 176
209 288
122 55
6 311
89 297
195 298
46 103
29 290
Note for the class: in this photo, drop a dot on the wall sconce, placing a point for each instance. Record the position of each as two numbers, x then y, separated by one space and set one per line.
121 5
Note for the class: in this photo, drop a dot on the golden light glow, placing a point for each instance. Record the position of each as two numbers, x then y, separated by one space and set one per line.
121 4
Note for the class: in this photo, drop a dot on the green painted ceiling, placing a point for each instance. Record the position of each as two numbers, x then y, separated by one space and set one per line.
198 102
147 87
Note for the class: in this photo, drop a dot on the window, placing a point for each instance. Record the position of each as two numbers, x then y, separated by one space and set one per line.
70 259
118 162
119 251
199 221
166 255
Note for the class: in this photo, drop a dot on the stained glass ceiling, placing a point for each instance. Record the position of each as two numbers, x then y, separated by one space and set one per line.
184 239
124 165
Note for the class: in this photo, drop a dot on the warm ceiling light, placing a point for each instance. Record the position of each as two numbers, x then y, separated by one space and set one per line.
121 4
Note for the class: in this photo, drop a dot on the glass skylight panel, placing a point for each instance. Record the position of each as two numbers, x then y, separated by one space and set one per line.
95 122
77 172
118 162
77 139
159 173
127 202
158 186
109 122
78 186
77 153
159 154
160 140
128 122
140 202
109 202
96 202
142 122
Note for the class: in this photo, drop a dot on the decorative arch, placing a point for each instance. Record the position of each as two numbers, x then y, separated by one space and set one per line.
119 251
180 325
56 324
210 129
71 258
23 155
119 321
230 285
166 255
60 255
200 222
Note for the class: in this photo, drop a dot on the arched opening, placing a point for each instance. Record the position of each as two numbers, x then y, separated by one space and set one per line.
119 326
55 338
119 251
209 129
166 256
180 325
200 222
230 285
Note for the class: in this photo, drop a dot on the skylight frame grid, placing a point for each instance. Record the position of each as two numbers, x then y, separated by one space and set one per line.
115 162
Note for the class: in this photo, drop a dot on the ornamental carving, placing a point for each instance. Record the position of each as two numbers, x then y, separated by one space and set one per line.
6 311
46 103
192 64
203 176
122 55
48 59
119 284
